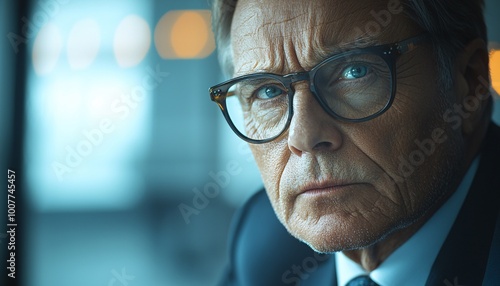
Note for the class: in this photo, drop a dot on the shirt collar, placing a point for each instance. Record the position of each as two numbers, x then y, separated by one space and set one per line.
422 248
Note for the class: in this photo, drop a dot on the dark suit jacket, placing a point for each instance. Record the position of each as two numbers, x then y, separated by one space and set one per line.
262 253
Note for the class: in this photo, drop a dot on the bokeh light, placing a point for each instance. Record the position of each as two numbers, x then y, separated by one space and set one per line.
83 44
132 41
47 49
495 69
184 34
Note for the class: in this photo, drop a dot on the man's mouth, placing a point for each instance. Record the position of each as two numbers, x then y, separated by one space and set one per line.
318 188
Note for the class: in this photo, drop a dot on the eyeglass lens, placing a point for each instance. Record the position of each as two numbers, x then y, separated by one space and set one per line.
352 87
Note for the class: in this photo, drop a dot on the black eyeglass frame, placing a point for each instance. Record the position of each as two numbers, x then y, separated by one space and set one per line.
388 52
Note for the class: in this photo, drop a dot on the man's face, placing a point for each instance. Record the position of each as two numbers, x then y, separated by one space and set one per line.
330 182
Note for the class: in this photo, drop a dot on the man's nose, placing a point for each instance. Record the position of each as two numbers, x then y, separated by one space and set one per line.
312 129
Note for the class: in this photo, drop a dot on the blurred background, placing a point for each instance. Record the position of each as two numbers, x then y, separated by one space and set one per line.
126 173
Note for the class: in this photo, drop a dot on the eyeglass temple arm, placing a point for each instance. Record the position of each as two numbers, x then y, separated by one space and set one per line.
412 43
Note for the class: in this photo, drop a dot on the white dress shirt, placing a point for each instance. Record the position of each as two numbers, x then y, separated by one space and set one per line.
411 263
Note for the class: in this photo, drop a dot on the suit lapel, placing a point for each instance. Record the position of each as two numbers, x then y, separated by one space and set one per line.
324 275
462 259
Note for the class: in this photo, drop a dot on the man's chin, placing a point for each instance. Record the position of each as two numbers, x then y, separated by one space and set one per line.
325 237
332 245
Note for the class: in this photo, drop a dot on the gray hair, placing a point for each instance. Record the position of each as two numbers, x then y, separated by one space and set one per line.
450 23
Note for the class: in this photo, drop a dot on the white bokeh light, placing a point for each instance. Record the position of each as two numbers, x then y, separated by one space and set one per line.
84 42
47 49
132 41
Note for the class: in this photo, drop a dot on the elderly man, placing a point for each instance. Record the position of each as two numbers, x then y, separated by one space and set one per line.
370 124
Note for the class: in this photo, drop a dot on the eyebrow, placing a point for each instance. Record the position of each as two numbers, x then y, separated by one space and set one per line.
358 43
324 53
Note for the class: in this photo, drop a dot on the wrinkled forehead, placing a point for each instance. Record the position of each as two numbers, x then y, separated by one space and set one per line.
340 16
315 29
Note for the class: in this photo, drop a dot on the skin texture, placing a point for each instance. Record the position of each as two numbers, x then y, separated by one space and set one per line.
368 208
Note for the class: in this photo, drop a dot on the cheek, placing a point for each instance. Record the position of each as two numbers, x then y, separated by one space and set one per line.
403 145
416 111
271 159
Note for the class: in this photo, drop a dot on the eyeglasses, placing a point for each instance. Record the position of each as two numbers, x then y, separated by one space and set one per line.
353 86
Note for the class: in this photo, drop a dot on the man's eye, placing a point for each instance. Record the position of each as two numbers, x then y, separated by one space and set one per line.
355 72
269 91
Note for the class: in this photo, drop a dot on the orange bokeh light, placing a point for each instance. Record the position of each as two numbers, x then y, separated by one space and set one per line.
184 34
495 70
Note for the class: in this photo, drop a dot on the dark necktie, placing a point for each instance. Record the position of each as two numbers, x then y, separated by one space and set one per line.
361 281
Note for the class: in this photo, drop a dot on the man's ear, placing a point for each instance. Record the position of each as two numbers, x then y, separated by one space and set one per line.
473 84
